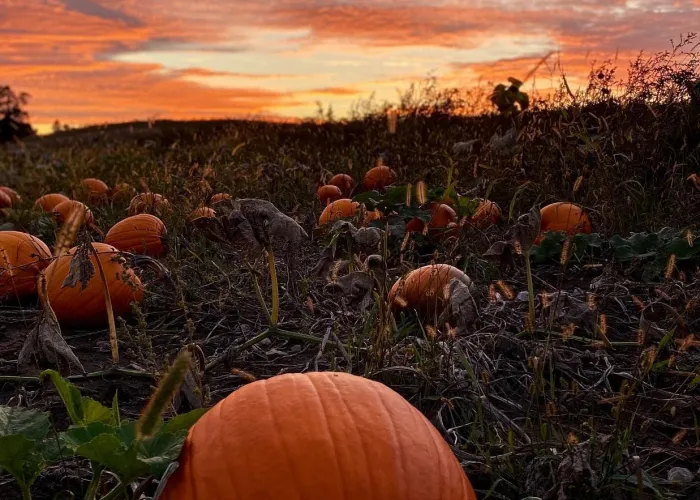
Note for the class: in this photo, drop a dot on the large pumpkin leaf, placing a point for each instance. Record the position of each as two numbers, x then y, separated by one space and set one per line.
19 457
183 422
161 450
81 410
109 450
32 424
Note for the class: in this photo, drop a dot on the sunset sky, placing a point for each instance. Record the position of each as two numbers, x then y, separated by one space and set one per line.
96 61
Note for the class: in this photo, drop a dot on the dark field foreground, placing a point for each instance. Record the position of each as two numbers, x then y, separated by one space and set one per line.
601 400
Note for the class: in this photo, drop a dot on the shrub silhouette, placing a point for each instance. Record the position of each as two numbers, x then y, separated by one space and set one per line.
14 119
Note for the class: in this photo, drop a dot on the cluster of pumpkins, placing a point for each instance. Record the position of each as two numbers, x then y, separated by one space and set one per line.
23 256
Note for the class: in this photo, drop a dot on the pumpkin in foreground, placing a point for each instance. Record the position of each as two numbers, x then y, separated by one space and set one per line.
139 234
316 436
50 201
564 217
22 256
86 307
425 289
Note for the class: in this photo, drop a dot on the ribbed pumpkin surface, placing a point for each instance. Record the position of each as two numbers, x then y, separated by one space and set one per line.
97 190
316 436
65 208
339 209
424 288
76 306
378 178
14 196
20 261
150 203
140 234
5 200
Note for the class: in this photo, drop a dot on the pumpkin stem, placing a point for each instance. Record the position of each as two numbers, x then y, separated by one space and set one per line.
258 292
91 492
530 293
114 345
275 288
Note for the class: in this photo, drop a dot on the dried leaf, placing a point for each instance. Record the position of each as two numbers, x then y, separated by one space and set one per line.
266 220
45 345
526 230
81 267
462 305
356 286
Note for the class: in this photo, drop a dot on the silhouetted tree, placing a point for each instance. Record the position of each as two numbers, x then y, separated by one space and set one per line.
13 118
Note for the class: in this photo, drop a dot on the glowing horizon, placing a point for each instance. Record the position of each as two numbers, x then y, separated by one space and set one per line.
97 61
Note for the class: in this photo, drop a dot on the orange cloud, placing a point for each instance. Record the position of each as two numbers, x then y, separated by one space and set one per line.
69 53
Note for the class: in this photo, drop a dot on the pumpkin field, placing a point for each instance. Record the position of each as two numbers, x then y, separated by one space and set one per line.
528 283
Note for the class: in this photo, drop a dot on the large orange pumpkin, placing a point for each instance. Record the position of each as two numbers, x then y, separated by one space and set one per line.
316 436
48 202
64 209
22 256
5 200
150 203
14 196
378 178
328 193
339 209
344 182
75 306
97 191
425 289
486 214
140 234
122 192
564 217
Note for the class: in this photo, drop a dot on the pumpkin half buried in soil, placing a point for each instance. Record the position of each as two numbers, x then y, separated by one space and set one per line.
339 209
344 182
22 256
139 234
65 208
328 193
49 202
14 196
563 217
86 307
425 289
316 436
378 178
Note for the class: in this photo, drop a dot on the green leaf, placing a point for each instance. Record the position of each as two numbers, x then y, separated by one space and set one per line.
81 410
161 450
183 422
116 418
108 450
18 456
76 437
30 423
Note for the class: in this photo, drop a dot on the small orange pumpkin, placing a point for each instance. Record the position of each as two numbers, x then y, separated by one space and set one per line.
122 192
339 209
97 191
139 234
328 193
486 214
442 216
424 289
371 216
564 217
298 435
344 182
5 200
64 209
22 256
203 212
15 198
48 202
150 203
378 178
219 198
86 307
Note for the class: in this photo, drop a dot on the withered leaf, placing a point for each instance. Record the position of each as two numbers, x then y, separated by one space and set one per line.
81 267
526 230
45 346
